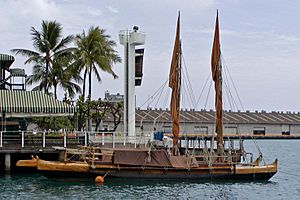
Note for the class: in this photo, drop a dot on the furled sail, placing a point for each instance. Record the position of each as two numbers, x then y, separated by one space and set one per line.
174 84
216 69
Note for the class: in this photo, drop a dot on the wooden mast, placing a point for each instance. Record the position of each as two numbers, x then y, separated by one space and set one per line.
174 84
216 69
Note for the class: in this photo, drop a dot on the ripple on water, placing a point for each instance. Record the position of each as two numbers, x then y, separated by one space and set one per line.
284 185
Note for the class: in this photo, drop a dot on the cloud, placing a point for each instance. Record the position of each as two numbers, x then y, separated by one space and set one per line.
112 9
254 35
94 11
35 8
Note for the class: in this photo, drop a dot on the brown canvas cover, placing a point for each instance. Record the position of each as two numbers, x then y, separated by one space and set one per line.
155 158
183 162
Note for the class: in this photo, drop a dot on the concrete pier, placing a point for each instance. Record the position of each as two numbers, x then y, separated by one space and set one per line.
7 162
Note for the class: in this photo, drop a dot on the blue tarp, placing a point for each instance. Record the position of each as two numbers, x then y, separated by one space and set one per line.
159 135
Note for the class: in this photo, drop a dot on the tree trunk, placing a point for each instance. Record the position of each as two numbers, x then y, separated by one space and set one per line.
83 87
89 99
80 117
97 125
46 76
55 90
90 83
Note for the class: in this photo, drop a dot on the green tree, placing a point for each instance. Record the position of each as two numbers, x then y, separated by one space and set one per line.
63 74
48 43
94 52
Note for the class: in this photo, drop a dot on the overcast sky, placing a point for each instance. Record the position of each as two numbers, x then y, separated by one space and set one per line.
260 43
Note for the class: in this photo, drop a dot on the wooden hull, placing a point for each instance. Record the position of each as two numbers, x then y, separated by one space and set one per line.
78 170
188 176
64 170
27 163
58 166
228 172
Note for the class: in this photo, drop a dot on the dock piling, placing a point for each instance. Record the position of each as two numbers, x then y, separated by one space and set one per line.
7 162
1 144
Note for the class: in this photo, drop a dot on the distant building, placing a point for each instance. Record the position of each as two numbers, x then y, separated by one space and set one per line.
113 97
203 122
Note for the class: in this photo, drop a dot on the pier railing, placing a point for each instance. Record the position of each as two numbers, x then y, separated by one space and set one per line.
48 139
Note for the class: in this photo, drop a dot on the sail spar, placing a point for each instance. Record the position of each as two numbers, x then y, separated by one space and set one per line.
216 69
174 84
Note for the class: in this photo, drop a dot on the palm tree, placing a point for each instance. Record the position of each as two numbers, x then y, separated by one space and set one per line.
48 43
95 51
63 74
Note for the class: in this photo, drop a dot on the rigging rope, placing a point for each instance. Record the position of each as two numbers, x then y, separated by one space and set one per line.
203 88
155 93
189 85
231 79
208 94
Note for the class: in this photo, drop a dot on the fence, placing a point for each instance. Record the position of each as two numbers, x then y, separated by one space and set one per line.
47 139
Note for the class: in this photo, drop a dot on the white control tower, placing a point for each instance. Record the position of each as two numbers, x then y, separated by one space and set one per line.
130 39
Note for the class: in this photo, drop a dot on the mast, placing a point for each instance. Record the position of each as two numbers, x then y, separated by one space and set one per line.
174 84
216 69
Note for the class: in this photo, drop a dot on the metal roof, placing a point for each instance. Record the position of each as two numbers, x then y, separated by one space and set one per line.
32 103
208 116
6 60
17 72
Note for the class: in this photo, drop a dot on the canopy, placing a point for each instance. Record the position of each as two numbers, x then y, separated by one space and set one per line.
6 60
17 72
32 104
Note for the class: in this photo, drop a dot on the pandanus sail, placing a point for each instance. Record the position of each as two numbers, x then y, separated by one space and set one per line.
174 84
216 69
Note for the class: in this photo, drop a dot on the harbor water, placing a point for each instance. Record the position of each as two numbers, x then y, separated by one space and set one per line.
284 185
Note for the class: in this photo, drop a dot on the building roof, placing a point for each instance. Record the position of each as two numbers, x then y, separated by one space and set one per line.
205 116
32 104
6 60
17 72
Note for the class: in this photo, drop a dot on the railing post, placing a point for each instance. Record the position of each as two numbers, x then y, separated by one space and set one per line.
113 138
135 141
145 140
44 139
22 143
102 138
124 138
1 139
65 139
85 138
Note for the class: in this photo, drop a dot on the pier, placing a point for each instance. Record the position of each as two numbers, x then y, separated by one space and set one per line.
240 136
21 145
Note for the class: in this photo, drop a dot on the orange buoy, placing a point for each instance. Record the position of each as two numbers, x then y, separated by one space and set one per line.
99 179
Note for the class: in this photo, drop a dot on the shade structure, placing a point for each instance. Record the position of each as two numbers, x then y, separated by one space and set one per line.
17 72
6 60
32 104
